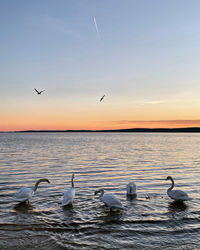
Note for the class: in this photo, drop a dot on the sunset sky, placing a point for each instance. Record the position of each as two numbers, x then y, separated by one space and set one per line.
144 55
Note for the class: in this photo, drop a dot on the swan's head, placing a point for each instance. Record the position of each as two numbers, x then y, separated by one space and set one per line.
44 180
168 178
98 191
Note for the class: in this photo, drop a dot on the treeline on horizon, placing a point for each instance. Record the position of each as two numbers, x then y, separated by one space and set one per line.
136 130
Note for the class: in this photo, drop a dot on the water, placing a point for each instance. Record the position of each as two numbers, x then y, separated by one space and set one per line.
99 160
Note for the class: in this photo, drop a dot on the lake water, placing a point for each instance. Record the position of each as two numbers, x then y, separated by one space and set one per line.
99 160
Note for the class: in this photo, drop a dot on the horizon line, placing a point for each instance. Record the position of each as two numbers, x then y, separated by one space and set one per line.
175 129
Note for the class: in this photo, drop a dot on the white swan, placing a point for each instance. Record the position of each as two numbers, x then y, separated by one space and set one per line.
25 193
69 194
131 189
177 195
110 200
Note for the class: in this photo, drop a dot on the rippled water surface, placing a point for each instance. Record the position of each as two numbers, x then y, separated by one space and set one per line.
99 160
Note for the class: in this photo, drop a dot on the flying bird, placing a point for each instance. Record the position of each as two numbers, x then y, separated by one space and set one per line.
39 92
102 98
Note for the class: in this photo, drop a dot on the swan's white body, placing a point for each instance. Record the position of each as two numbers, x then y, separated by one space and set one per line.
23 194
26 193
177 195
110 200
69 195
131 188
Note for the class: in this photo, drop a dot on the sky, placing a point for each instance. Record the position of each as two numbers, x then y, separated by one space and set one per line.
144 55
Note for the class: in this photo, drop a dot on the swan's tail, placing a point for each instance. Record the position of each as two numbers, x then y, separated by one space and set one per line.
66 203
119 208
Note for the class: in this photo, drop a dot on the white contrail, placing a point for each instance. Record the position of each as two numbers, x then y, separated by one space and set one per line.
95 22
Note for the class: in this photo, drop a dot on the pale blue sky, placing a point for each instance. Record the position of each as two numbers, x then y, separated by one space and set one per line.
146 51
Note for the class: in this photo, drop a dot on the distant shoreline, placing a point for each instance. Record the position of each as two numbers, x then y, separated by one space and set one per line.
134 130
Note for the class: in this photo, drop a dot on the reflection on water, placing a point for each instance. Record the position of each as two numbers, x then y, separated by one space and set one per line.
109 161
177 206
110 217
177 210
23 207
131 197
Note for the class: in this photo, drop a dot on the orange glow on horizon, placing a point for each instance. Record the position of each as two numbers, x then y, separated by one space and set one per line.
100 125
95 116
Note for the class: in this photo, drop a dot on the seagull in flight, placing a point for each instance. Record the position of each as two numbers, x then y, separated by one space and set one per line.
102 98
39 92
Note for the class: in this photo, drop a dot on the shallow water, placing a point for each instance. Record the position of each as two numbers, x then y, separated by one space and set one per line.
99 160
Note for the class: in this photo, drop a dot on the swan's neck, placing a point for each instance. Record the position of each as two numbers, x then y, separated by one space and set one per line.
172 186
101 192
72 181
37 184
131 189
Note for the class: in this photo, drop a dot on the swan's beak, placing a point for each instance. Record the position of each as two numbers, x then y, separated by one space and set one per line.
48 181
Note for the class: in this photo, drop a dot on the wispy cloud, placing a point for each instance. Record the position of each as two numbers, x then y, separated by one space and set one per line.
154 102
95 23
61 25
151 102
57 24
